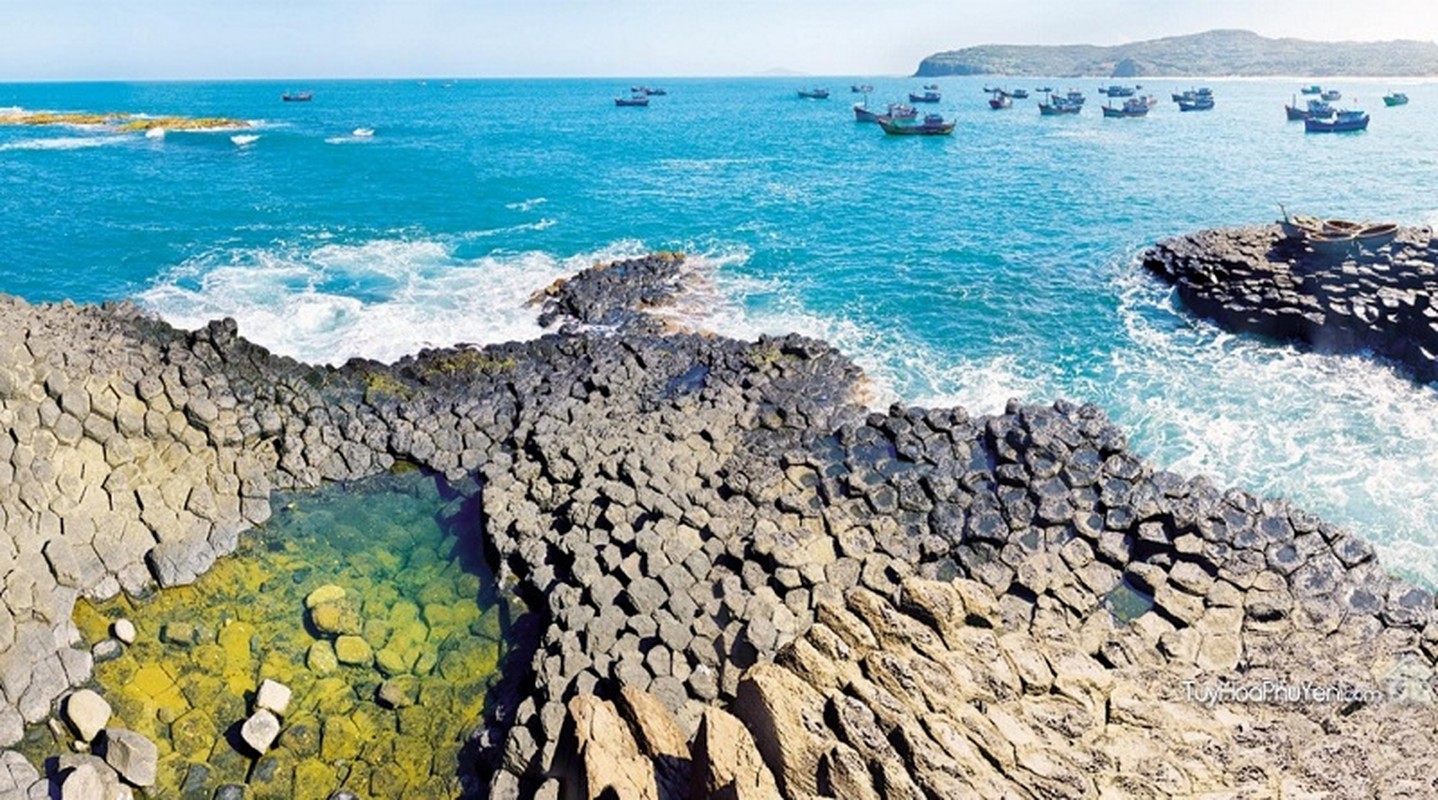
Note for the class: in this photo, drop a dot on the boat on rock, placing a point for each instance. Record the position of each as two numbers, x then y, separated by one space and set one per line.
814 94
1345 121
1395 99
932 125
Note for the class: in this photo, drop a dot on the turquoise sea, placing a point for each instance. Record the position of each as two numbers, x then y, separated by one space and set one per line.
997 263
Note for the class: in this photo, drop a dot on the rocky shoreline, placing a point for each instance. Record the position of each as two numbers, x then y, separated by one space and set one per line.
742 582
1258 280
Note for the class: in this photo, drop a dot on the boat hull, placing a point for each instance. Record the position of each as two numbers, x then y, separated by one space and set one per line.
927 97
1311 125
1399 100
862 114
919 129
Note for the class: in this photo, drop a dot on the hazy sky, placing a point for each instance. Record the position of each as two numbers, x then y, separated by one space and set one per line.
96 39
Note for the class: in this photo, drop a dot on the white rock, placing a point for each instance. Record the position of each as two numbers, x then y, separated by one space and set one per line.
274 696
124 630
260 730
88 714
82 783
132 755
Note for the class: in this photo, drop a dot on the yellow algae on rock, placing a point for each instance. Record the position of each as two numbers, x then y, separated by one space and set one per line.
321 658
353 651
314 780
193 735
329 593
339 739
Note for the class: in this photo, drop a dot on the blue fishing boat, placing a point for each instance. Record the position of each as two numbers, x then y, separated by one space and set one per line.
297 97
860 88
1331 95
1196 104
1344 122
633 100
1118 91
1314 89
1019 94
1132 107
933 125
1395 99
1001 100
814 94
929 95
1057 106
655 91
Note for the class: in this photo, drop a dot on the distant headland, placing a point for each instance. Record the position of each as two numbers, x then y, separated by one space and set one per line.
1217 52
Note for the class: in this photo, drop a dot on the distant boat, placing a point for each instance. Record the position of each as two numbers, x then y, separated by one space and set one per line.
244 139
297 97
1075 97
1345 121
1132 107
1331 95
931 87
896 111
1314 89
1118 91
1057 106
364 133
655 91
930 95
1196 104
1044 89
860 88
1019 94
638 100
1395 99
933 125
1316 109
1000 100
814 94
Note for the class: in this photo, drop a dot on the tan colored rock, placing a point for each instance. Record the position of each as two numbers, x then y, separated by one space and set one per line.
354 651
605 759
328 593
88 713
274 696
727 764
784 714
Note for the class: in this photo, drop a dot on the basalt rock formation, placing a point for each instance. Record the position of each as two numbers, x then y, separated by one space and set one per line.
1257 280
915 603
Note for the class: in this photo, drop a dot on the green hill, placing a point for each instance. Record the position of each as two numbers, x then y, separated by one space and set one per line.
1215 53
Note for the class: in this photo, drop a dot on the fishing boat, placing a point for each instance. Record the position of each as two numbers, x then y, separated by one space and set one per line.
1196 104
654 91
1057 106
931 87
863 114
297 97
363 133
929 95
1045 90
933 125
1313 89
1315 109
1075 97
1118 91
1395 99
633 100
1001 100
1331 95
1019 94
1345 121
901 111
814 94
1132 107
860 88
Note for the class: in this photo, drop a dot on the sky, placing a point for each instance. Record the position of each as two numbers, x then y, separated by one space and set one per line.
158 39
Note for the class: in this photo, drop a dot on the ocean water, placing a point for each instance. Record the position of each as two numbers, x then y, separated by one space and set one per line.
998 263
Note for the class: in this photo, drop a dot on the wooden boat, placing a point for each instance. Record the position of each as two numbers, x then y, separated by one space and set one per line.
1058 106
1375 236
1314 89
1000 100
933 125
1341 226
928 96
1331 95
814 94
901 111
297 97
1299 226
634 100
1345 121
1331 244
1395 99
1132 107
860 88
1196 104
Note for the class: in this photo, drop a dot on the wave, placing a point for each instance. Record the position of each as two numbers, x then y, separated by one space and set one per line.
382 299
63 143
527 205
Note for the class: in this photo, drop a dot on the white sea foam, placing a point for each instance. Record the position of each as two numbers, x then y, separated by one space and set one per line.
63 143
527 205
381 299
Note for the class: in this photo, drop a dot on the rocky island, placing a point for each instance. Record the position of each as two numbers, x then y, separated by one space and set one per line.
1216 53
740 581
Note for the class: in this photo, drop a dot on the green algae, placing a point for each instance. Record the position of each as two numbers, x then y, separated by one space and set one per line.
423 636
